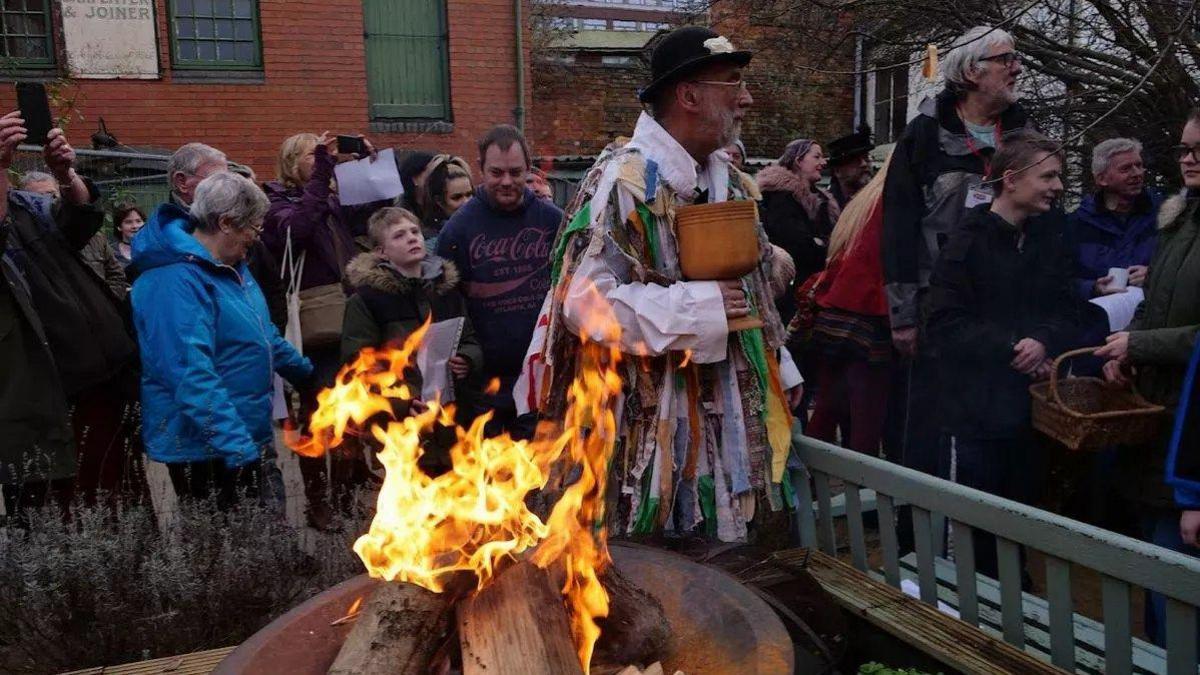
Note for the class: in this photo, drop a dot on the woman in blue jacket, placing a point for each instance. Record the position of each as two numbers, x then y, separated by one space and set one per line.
208 346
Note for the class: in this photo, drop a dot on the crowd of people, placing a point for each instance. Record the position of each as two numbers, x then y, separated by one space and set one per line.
903 312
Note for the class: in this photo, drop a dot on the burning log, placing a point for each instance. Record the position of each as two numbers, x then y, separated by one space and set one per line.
397 632
517 624
636 628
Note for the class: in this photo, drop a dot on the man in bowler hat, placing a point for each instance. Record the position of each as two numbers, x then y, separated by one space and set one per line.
710 461
850 164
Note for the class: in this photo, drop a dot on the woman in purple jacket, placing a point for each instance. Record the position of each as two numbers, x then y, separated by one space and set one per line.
305 208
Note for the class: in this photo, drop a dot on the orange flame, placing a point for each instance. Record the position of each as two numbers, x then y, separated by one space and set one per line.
474 517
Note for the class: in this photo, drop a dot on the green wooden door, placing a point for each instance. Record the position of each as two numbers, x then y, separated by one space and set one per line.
408 72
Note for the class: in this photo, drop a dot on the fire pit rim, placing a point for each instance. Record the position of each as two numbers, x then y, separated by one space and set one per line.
321 609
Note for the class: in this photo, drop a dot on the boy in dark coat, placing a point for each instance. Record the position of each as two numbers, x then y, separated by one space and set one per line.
1001 308
398 285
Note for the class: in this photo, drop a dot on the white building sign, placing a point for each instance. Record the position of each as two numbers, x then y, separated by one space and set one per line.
110 38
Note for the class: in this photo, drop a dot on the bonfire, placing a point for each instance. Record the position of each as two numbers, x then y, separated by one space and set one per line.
461 533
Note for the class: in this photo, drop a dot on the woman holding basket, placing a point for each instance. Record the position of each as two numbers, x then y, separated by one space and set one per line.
1154 352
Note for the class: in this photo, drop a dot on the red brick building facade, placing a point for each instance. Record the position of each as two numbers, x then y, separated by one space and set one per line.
312 77
586 91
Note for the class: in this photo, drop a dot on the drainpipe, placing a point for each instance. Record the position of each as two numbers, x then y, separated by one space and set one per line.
519 111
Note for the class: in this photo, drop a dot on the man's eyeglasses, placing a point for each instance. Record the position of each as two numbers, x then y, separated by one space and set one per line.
1007 59
1183 150
740 84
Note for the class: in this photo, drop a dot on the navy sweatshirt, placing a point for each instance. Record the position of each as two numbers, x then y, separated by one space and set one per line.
504 257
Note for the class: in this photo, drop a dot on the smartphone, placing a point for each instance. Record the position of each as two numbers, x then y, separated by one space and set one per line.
351 145
35 110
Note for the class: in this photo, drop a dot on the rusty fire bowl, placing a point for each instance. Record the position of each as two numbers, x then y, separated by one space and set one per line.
718 626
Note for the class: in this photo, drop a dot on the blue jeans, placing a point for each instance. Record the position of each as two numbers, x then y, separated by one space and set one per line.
1161 528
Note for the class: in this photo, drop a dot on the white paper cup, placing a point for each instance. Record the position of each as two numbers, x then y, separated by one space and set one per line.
1120 277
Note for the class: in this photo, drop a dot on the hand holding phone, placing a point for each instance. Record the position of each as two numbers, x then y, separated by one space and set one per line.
12 134
35 110
351 145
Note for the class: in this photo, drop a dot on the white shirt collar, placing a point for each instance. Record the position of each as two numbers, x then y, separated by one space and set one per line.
676 166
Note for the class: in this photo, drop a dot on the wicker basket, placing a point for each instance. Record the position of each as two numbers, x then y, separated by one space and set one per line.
1084 413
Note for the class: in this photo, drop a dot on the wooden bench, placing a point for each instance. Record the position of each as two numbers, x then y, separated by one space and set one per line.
942 637
197 663
1148 659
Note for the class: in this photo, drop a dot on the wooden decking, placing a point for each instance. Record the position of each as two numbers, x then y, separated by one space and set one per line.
198 663
953 642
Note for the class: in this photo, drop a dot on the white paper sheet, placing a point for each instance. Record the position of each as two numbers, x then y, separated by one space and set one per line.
1120 307
279 409
363 181
433 359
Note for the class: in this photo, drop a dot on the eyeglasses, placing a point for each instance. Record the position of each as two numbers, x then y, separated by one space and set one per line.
1007 59
740 84
1183 150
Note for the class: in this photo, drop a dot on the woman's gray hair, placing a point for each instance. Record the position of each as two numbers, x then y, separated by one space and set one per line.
228 194
794 151
1104 152
189 158
962 59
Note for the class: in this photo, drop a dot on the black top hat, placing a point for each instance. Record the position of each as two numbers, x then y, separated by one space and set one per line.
851 145
682 51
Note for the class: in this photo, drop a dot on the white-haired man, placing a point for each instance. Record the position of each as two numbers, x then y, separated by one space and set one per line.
937 173
1115 225
189 165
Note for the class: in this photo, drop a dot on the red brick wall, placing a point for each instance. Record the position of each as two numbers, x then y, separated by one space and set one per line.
314 80
582 107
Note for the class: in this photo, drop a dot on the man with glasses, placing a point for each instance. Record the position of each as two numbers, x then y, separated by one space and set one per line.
705 430
937 173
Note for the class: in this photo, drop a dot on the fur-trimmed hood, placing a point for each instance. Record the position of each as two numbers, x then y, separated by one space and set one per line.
775 178
1176 206
367 270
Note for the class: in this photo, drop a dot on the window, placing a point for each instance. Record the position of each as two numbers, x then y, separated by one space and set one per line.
408 68
215 34
27 38
625 25
594 24
891 103
610 60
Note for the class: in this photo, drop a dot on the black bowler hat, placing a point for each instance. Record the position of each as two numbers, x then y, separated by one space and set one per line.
684 50
850 146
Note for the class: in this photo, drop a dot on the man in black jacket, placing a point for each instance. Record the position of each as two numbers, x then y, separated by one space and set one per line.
936 175
1001 305
81 323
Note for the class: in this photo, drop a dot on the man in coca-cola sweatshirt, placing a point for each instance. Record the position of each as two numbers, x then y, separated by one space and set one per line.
500 240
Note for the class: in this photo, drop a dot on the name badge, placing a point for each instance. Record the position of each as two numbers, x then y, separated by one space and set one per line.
977 196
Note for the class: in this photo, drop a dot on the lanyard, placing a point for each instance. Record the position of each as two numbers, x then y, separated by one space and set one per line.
998 132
